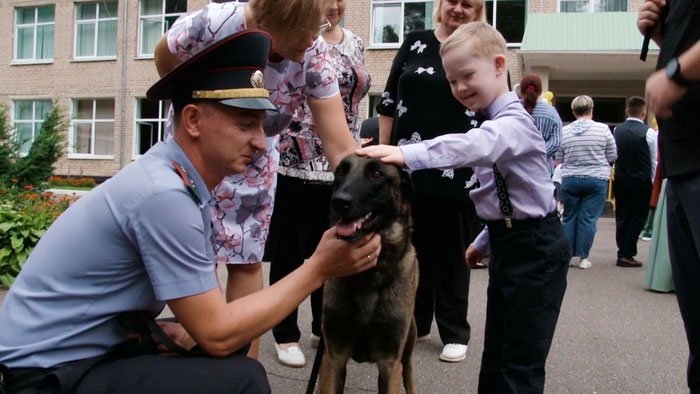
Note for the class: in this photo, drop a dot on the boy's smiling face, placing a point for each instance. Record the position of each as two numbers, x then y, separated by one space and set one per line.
476 80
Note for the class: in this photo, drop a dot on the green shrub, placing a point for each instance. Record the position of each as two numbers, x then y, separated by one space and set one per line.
25 215
36 166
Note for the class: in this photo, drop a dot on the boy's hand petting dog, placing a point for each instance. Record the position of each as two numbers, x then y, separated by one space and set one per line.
387 153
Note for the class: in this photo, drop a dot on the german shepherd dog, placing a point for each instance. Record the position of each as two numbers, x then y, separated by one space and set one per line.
369 316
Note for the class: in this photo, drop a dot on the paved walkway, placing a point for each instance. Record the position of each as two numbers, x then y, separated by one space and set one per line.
613 336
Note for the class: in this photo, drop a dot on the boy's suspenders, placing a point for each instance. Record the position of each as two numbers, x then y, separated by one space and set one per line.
503 198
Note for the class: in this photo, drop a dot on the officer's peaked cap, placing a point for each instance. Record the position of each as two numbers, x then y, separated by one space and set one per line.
230 71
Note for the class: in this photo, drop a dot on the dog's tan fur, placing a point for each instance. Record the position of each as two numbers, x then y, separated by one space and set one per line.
369 316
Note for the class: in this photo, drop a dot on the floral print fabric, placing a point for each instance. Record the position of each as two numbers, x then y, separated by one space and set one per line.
243 203
301 140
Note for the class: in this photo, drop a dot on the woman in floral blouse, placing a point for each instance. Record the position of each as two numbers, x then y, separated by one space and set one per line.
297 71
417 104
303 186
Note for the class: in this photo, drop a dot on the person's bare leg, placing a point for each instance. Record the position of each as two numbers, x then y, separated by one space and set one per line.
244 279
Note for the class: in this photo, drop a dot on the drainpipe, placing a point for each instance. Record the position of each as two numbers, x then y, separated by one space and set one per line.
123 92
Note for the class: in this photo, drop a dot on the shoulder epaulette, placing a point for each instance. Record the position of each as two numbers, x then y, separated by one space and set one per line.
189 183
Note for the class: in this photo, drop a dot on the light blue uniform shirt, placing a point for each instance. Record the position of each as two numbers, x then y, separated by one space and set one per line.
132 243
510 139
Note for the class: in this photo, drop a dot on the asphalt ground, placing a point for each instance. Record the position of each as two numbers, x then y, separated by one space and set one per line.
613 336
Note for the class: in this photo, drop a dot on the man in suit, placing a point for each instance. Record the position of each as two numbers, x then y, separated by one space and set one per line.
634 174
673 93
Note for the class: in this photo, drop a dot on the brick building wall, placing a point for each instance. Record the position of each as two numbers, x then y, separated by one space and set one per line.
66 79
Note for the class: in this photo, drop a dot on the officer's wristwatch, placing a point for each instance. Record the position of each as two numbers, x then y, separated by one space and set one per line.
673 72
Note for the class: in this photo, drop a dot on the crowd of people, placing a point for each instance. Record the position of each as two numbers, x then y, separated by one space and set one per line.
255 131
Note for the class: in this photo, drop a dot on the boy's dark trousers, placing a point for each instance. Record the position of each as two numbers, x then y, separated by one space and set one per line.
527 280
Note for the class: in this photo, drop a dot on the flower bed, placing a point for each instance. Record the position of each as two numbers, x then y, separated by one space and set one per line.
25 215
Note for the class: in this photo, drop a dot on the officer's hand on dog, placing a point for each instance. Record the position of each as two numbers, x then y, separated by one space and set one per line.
177 333
473 255
335 257
386 153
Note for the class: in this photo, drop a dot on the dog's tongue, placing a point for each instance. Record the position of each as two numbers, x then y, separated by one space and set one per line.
348 229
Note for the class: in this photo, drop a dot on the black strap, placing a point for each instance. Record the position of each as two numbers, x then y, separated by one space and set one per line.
316 367
503 197
144 324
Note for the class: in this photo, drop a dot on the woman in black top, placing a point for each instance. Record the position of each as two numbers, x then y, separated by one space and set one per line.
417 104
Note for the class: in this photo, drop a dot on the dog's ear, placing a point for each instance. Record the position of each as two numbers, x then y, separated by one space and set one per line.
406 183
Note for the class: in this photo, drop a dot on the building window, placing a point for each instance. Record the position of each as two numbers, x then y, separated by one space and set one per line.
34 30
392 20
592 5
150 124
156 18
96 30
508 17
28 118
93 127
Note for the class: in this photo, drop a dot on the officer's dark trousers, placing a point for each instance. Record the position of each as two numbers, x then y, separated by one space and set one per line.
527 280
683 214
631 210
153 374
299 219
441 229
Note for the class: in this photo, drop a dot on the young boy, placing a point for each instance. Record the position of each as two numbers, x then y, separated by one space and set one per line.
530 254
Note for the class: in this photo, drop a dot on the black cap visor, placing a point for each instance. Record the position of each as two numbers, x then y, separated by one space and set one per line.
249 103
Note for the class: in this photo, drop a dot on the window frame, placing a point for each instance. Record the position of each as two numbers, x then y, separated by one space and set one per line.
162 17
591 8
163 117
33 121
95 22
92 121
35 25
495 25
391 45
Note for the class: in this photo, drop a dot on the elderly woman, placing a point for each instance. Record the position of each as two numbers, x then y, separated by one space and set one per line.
417 104
587 150
304 186
298 72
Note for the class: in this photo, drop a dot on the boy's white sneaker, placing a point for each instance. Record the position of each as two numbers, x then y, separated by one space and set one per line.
453 352
585 264
290 356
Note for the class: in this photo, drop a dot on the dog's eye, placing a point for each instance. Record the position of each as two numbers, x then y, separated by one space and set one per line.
376 174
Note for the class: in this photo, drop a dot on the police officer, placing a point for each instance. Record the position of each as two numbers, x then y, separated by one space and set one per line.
141 241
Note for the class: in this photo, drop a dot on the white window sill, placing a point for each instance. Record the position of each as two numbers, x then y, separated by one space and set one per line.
74 156
30 62
514 45
144 57
93 59
384 46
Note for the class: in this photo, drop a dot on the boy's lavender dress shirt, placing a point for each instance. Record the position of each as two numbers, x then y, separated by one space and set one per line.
510 139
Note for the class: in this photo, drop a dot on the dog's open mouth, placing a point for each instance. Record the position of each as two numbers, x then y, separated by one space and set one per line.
353 230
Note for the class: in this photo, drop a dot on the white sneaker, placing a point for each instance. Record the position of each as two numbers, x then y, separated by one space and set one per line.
585 264
453 352
315 339
573 262
291 357
646 238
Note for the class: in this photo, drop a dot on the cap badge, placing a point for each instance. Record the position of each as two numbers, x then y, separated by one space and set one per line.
257 80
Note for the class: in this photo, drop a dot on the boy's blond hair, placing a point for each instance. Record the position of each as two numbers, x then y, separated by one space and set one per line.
289 15
479 5
484 39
